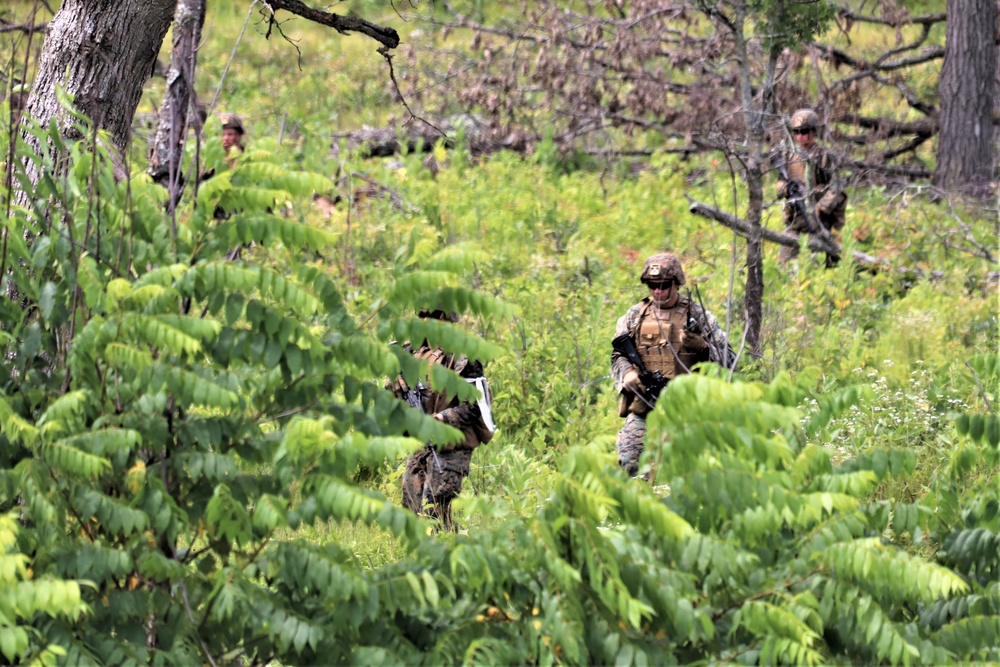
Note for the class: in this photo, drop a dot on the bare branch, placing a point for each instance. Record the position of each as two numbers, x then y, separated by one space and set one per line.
24 27
384 51
891 169
887 127
385 36
928 19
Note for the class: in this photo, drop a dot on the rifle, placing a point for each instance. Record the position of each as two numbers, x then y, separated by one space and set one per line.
794 194
414 398
654 381
719 352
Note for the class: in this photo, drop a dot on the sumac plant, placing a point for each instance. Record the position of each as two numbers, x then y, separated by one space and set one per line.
173 423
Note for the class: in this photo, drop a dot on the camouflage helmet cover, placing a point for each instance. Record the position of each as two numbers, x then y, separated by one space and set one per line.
231 121
662 266
804 119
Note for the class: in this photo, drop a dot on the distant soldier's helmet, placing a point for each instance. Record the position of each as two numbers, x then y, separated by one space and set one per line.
662 267
231 121
438 313
804 119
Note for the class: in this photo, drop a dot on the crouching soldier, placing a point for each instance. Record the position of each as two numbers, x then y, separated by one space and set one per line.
433 476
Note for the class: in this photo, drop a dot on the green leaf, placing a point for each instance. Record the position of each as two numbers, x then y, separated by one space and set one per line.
47 301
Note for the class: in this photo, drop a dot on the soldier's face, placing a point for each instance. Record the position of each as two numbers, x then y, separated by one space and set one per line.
663 293
805 138
230 138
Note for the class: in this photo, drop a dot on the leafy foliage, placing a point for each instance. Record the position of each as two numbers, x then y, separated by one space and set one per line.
204 452
170 419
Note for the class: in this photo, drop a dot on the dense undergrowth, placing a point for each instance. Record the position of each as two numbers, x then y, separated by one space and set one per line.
198 462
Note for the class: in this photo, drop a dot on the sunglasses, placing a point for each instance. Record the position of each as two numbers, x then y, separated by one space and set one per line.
803 130
661 285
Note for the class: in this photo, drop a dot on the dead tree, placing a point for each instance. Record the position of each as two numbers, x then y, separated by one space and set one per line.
102 52
167 150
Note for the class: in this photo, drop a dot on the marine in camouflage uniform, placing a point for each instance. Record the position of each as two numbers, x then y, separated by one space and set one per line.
669 331
232 137
815 169
433 476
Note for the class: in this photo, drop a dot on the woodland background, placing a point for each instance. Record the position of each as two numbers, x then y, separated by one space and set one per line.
198 461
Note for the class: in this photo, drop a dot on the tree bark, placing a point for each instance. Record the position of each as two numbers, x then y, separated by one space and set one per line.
101 52
754 113
965 143
168 145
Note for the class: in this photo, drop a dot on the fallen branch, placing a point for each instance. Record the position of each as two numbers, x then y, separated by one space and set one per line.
746 230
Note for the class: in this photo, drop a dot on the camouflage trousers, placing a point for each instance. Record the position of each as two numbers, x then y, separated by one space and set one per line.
629 443
430 483
794 224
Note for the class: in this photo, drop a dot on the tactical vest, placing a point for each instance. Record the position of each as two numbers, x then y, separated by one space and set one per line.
811 168
657 335
433 401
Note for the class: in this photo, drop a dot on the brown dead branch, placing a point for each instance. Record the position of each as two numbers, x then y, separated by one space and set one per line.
896 22
746 230
891 169
343 24
24 27
887 127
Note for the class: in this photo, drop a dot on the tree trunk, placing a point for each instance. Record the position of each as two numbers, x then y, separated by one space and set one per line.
965 144
753 113
754 290
101 52
168 147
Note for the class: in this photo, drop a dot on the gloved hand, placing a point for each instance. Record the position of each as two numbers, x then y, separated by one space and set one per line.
829 202
794 189
632 383
692 341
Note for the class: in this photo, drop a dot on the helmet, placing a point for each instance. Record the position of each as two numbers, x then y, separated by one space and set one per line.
438 313
662 266
804 119
231 121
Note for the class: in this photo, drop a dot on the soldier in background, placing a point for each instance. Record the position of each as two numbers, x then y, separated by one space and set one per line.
669 332
812 171
433 476
232 137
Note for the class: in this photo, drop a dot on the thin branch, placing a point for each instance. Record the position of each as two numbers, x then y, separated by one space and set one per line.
981 252
891 169
232 56
928 19
982 392
384 51
739 353
26 28
909 146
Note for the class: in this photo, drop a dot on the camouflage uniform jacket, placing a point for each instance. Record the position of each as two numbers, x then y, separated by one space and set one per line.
462 415
817 170
629 323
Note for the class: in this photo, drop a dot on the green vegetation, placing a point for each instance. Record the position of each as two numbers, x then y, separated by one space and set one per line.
199 462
